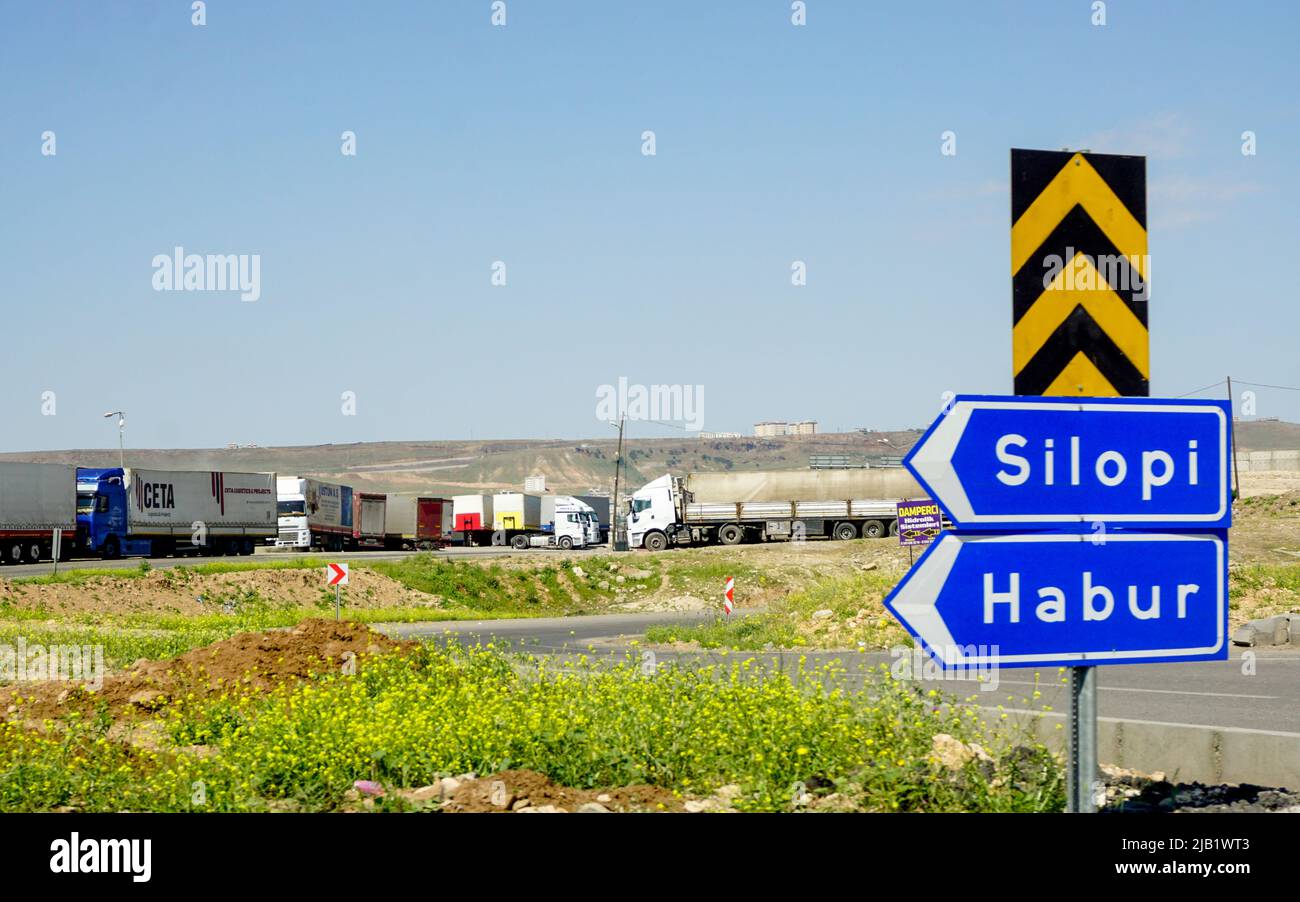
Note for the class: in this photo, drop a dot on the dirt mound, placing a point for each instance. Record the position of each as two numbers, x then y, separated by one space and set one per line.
260 660
521 790
180 590
1285 503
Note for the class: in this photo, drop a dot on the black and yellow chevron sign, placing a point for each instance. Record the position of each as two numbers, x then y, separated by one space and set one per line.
1079 271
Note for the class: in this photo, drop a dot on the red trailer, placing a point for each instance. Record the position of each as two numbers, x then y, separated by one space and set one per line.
417 522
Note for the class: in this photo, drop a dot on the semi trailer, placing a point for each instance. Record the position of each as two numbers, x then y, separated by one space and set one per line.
472 518
35 501
369 519
521 520
417 522
153 513
774 505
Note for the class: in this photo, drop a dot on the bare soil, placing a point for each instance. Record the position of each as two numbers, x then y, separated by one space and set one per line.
261 660
502 792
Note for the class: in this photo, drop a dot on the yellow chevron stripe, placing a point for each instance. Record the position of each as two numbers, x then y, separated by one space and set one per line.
1081 379
1077 183
1057 302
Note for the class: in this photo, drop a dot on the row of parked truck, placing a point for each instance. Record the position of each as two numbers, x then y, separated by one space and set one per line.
134 512
119 512
317 514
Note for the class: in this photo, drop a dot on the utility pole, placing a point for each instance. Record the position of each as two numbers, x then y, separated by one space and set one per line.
618 465
1232 424
121 441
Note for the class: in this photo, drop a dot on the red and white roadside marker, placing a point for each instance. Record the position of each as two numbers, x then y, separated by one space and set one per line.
336 575
729 596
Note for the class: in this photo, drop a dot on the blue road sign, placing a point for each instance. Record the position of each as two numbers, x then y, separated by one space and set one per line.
1045 463
1054 598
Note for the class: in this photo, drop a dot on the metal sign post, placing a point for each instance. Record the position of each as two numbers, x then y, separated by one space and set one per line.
1081 774
336 575
57 547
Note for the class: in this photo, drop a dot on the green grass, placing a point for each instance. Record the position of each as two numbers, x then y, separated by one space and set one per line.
405 720
209 568
789 622
1267 576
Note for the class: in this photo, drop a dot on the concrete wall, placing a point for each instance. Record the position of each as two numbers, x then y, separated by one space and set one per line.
1184 752
1249 461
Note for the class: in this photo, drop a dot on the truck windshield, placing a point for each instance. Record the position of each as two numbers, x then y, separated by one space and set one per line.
291 508
85 503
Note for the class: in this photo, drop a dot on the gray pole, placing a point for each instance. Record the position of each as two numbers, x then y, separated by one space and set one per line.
618 465
1082 771
1232 422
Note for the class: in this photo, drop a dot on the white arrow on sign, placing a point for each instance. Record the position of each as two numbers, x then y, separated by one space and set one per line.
969 496
1015 600
336 574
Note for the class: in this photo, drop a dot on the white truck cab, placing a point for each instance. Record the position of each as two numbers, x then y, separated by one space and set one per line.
291 513
653 508
573 525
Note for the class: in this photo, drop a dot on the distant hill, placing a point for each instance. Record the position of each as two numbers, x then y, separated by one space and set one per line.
450 467
570 466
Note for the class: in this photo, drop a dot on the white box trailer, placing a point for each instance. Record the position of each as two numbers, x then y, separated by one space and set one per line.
35 500
472 517
516 512
170 502
731 508
472 513
155 512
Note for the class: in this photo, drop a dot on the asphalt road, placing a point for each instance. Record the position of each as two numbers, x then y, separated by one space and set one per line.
266 554
1215 693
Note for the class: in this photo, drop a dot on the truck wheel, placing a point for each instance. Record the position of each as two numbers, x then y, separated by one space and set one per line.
112 549
520 543
655 541
731 534
566 542
845 531
873 529
893 528
14 554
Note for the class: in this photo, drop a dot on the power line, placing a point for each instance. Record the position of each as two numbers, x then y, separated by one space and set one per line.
1199 390
1265 385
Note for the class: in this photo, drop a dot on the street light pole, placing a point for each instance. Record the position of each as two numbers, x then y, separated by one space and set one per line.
618 465
121 441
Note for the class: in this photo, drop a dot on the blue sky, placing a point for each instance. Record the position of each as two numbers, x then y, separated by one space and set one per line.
523 144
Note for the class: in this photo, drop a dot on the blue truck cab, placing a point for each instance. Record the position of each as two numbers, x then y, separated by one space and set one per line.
101 515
